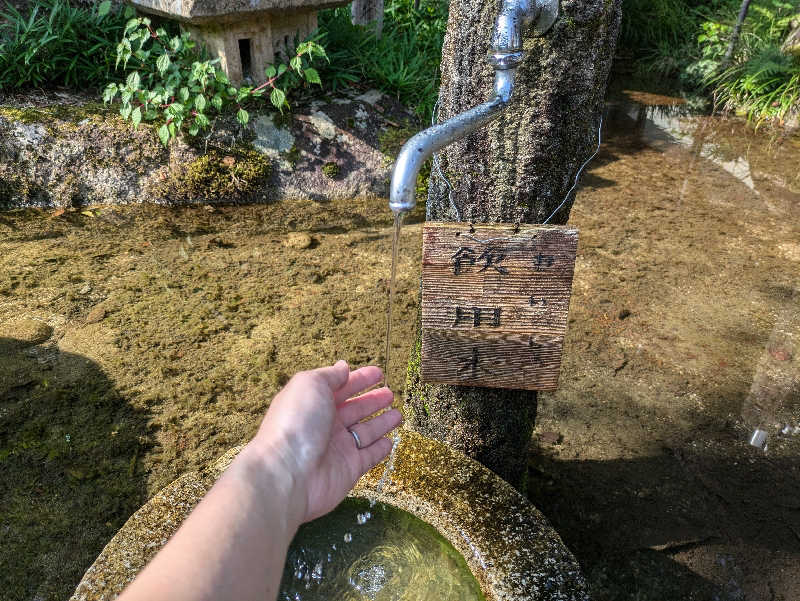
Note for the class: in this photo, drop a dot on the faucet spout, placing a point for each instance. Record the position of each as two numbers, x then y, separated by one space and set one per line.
505 54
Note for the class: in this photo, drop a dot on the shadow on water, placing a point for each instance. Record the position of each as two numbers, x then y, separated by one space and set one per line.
69 449
684 312
628 519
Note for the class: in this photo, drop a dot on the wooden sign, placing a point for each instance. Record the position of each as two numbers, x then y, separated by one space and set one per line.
495 303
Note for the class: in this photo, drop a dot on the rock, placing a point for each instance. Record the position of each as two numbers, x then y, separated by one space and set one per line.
26 331
325 127
298 240
70 156
97 314
550 437
624 314
791 45
781 354
271 140
85 290
370 97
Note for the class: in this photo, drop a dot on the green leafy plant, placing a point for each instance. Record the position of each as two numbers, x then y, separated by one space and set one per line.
403 62
762 82
766 85
170 80
56 43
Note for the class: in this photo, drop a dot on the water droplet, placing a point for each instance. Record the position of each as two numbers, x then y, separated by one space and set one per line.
333 547
361 519
348 537
368 515
299 574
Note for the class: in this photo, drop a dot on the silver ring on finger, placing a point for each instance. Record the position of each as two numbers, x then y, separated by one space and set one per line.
356 438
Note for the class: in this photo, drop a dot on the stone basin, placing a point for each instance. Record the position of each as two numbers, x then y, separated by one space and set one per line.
510 547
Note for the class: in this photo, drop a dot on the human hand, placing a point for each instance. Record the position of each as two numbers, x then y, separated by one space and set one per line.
307 428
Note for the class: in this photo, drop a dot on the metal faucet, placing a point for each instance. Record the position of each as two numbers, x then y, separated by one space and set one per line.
505 54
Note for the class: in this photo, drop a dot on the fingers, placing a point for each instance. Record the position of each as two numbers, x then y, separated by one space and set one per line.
379 426
354 410
336 375
374 454
359 379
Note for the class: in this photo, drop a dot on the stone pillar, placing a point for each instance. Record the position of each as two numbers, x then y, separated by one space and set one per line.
229 41
368 12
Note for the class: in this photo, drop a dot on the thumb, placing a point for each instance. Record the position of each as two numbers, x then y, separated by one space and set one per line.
335 375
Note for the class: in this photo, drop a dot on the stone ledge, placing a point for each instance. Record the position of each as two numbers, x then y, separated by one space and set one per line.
60 156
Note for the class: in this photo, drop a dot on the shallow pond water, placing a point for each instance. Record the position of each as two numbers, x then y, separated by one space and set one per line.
363 552
683 334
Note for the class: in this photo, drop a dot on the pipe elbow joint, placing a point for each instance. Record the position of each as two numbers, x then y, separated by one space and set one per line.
517 16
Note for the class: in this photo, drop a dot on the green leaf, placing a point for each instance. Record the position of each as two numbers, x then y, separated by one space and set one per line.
136 117
278 98
281 69
104 8
312 76
183 94
242 116
176 110
202 120
194 129
200 102
109 93
163 134
125 111
133 81
130 25
216 101
296 63
270 72
162 64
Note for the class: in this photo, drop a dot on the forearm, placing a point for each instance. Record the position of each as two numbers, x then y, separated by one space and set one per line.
233 545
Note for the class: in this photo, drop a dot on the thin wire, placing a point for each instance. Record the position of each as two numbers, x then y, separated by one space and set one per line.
578 175
438 169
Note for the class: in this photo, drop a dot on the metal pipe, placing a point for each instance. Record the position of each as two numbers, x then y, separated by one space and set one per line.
505 54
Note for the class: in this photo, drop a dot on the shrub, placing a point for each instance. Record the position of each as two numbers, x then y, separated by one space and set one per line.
170 80
761 81
403 62
59 44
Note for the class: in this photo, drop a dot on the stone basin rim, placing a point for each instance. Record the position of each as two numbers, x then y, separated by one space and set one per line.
509 546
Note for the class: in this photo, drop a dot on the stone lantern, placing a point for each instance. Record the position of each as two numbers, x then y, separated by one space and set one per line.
246 35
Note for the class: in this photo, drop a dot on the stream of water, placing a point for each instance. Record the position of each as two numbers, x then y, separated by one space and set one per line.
398 223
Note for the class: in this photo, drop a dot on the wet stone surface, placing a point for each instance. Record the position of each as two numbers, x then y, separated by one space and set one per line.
509 546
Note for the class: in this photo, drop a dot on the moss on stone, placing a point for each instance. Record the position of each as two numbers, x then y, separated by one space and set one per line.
293 156
216 176
392 140
330 170
46 115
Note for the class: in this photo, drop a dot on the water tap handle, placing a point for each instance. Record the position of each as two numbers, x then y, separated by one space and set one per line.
514 19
